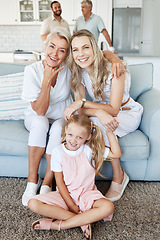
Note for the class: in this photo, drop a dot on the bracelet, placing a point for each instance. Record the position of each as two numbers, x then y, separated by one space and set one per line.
83 102
112 49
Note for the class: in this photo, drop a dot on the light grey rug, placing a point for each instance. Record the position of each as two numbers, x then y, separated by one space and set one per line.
136 217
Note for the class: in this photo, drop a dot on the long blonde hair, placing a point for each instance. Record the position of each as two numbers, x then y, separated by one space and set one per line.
99 65
96 142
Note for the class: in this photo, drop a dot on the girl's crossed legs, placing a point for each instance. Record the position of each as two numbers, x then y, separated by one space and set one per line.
101 209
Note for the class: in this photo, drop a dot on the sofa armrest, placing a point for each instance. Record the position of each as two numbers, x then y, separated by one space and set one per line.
150 100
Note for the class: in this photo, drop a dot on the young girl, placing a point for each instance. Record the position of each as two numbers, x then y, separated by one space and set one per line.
77 202
109 95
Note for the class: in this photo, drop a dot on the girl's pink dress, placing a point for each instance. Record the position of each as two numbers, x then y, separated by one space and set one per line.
79 177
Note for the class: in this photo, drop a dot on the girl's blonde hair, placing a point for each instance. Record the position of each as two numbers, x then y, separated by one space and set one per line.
99 65
96 142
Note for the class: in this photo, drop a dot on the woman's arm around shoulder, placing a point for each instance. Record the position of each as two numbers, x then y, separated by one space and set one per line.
118 67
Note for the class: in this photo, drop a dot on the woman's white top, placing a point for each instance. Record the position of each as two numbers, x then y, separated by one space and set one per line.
56 155
87 82
60 96
129 120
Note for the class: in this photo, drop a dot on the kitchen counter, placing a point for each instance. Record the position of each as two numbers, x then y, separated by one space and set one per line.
7 57
18 56
136 55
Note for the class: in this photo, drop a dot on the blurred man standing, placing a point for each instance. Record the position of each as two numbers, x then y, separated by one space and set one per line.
92 22
53 21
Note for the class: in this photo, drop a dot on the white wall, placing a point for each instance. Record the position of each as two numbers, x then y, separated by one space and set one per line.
21 37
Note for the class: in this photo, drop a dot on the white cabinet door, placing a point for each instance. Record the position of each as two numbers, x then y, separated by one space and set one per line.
127 3
8 12
147 28
43 10
104 10
33 11
150 34
26 11
67 10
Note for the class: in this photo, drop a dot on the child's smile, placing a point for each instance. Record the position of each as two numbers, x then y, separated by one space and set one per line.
76 136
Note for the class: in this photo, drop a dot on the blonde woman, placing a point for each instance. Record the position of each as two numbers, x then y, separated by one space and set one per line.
75 162
92 72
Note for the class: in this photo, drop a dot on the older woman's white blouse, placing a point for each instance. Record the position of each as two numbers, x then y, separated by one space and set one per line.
60 96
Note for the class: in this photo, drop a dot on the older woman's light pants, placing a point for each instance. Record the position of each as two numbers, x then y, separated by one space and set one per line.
38 127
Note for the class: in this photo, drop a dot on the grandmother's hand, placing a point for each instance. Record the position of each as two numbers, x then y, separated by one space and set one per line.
50 73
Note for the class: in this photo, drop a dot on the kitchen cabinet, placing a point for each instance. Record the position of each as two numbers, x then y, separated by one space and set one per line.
104 10
33 11
8 12
67 10
127 3
44 9
24 11
147 29
150 34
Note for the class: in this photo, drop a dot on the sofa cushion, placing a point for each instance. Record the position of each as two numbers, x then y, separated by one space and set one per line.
9 68
141 79
14 141
14 138
134 146
11 104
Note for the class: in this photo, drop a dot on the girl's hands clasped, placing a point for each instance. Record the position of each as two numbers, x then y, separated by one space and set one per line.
50 73
74 208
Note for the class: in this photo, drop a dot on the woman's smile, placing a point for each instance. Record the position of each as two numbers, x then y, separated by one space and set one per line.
82 52
76 136
52 58
83 59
